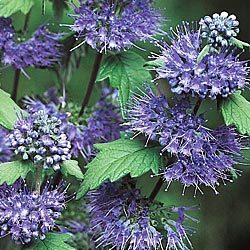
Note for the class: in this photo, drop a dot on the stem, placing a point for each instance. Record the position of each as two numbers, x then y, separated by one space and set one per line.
156 189
160 182
197 106
38 179
18 71
15 84
57 179
91 83
26 22
219 102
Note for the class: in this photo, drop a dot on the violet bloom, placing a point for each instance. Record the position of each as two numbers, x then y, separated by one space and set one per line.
103 125
5 151
26 215
39 138
108 25
121 219
217 74
202 156
6 32
41 50
219 29
146 114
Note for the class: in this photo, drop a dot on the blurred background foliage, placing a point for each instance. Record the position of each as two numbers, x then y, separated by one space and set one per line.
224 218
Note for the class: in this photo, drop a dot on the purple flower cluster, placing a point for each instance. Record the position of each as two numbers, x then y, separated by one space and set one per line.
40 138
5 151
147 114
202 155
27 215
6 32
103 125
42 50
219 29
108 25
217 74
121 219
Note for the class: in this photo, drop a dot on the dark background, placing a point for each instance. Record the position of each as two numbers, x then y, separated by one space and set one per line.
224 218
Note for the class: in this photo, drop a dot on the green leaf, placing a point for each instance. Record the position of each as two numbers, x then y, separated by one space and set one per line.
238 43
11 171
235 110
117 159
53 241
71 167
155 63
9 7
8 110
203 53
125 72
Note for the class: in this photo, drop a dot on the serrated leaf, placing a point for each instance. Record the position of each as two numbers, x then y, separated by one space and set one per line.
238 43
117 159
9 7
235 111
203 53
70 167
8 110
53 241
11 171
125 72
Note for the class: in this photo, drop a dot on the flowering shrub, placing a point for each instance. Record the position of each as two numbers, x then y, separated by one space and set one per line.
70 171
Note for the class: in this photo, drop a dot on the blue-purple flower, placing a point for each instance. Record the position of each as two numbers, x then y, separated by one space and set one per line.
5 151
219 29
41 50
217 74
120 218
6 31
146 114
40 138
27 215
103 125
202 156
107 25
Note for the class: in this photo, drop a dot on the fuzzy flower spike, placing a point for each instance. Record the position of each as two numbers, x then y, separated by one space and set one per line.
41 50
39 138
202 156
6 31
103 125
217 74
26 215
115 25
121 219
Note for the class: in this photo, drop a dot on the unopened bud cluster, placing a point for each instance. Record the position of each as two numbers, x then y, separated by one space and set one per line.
39 138
219 29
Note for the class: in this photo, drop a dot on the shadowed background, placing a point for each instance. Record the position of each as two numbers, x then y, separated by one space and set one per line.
224 218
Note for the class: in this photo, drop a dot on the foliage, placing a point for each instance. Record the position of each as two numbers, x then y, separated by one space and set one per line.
53 241
117 159
9 7
125 72
11 171
235 110
8 110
